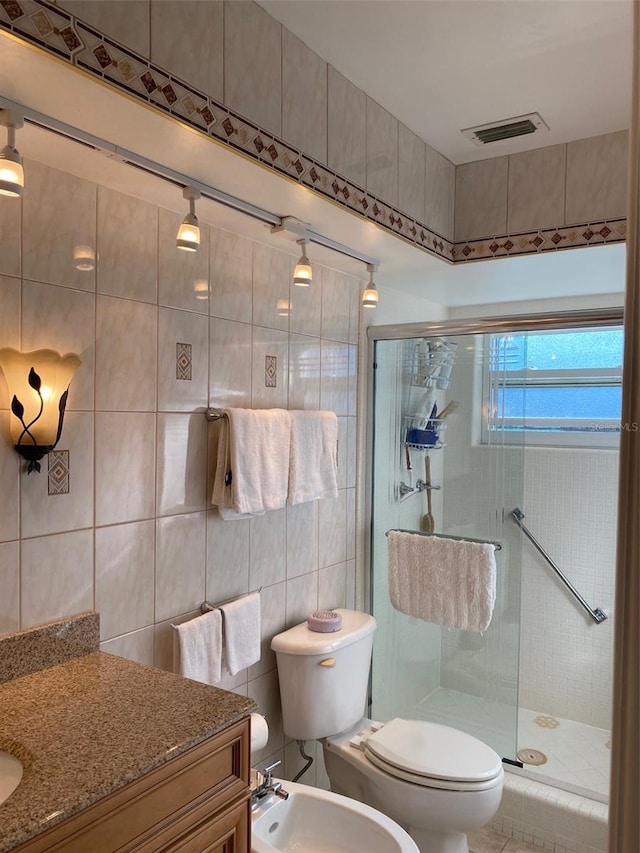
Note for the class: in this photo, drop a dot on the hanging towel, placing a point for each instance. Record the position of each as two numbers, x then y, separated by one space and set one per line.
446 581
197 648
242 632
313 466
252 462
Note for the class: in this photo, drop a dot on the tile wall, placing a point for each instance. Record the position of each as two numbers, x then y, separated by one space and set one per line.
162 335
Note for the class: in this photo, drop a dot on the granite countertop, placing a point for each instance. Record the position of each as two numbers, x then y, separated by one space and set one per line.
86 727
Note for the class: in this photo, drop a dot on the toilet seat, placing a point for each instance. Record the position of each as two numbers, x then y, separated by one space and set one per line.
433 756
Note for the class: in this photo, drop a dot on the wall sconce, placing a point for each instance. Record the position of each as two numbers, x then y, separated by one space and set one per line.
38 386
303 274
11 171
370 296
188 237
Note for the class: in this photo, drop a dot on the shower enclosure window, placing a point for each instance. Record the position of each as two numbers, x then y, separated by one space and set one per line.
535 685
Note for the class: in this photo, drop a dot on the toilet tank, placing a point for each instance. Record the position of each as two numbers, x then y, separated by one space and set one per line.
324 677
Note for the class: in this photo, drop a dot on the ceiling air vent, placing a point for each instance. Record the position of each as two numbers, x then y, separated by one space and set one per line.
508 128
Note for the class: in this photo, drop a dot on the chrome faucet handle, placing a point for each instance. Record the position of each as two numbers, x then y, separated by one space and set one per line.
268 775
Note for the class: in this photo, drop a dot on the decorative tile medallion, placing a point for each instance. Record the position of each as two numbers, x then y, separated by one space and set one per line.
58 472
60 33
271 371
546 722
184 362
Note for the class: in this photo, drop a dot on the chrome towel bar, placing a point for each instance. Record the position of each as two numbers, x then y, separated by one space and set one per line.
497 546
598 615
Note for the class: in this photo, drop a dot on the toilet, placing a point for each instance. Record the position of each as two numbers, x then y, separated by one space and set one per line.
437 782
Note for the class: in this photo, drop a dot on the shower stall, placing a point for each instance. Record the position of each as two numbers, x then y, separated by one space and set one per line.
453 454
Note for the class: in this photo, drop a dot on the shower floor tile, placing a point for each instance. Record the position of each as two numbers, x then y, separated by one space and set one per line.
577 755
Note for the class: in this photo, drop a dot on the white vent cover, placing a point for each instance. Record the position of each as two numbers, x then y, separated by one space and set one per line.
508 128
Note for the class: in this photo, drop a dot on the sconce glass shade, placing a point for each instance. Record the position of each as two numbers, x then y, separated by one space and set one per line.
11 172
370 296
84 258
283 307
188 237
38 386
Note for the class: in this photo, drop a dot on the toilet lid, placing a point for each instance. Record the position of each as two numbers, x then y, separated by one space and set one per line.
432 751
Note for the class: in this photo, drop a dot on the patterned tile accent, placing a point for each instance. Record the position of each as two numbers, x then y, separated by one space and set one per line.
547 240
84 47
546 722
184 362
271 371
58 472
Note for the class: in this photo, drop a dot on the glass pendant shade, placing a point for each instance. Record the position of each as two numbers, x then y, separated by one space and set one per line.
38 385
188 237
303 274
370 296
11 172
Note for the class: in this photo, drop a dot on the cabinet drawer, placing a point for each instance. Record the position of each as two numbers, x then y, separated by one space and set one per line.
139 816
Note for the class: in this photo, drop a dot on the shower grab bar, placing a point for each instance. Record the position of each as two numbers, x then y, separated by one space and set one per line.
496 545
598 615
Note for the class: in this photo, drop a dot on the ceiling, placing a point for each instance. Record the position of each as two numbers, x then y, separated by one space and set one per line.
32 78
443 65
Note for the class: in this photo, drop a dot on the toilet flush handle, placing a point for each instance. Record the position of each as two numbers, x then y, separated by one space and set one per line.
328 662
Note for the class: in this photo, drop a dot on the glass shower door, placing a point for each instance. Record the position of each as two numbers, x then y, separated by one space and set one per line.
422 670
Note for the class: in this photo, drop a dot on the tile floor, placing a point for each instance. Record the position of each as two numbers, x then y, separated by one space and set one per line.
488 841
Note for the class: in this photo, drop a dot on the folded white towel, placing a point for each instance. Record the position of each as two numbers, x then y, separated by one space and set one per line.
197 648
447 581
313 465
242 632
252 461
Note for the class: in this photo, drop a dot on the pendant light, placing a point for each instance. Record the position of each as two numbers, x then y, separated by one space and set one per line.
11 171
188 237
303 274
370 296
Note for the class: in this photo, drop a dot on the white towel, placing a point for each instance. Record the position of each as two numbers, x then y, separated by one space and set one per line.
447 581
252 465
242 632
197 648
313 466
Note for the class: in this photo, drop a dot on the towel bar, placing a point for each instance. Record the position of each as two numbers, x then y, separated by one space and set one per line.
213 414
496 545
206 606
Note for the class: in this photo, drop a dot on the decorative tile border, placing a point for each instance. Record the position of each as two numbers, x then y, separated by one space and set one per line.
184 362
58 472
58 32
271 371
547 240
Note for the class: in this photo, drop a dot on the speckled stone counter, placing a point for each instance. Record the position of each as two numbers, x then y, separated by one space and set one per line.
89 726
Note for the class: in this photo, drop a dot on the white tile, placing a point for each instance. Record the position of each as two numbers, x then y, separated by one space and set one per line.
124 21
124 577
306 302
227 558
536 189
342 452
10 220
229 363
481 199
597 178
335 382
382 153
346 128
272 272
181 461
180 564
267 548
137 646
62 319
125 466
253 64
59 217
333 530
440 188
127 246
10 325
56 577
183 361
302 598
270 369
9 587
336 304
126 355
302 538
304 372
10 476
183 277
231 265
272 622
304 98
42 513
351 523
411 173
200 25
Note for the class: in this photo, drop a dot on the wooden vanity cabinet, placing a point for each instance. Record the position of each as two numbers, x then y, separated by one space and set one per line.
198 802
